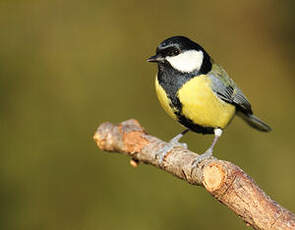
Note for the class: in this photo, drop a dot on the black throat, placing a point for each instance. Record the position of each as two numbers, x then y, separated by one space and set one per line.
172 80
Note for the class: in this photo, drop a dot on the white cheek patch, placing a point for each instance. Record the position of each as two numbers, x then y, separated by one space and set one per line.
188 61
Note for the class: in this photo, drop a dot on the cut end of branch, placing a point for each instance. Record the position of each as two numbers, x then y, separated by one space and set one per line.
127 136
103 137
213 176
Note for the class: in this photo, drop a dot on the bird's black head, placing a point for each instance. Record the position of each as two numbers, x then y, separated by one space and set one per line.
177 43
183 55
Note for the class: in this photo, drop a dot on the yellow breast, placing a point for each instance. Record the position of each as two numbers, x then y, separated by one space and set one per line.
202 106
164 100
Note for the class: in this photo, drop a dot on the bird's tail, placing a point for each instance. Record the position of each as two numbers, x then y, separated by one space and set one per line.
255 122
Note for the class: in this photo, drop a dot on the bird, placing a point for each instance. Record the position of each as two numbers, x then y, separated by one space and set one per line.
198 93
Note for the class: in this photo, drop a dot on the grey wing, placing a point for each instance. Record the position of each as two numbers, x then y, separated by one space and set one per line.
227 90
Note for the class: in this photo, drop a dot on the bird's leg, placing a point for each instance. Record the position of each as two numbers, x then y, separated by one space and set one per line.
172 143
175 140
209 151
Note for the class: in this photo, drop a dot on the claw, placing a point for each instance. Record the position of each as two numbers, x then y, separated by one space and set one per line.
174 142
209 152
167 148
200 158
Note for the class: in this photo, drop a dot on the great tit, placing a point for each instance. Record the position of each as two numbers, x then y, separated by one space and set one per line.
197 92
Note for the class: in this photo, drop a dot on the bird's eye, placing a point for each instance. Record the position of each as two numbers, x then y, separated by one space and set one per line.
171 51
175 52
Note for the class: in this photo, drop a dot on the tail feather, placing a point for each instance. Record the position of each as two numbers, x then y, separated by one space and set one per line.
255 122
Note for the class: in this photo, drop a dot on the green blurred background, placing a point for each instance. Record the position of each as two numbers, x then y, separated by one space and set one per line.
67 66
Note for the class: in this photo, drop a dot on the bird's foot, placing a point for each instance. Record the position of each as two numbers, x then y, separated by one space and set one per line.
206 155
167 148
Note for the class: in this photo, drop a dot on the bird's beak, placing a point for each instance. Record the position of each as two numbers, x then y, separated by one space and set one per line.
156 58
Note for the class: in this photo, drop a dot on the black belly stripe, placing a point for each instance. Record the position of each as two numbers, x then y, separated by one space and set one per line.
192 126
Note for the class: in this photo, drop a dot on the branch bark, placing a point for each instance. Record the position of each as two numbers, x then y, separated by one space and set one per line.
223 180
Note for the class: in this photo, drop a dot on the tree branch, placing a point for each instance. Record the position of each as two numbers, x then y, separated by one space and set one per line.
223 180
